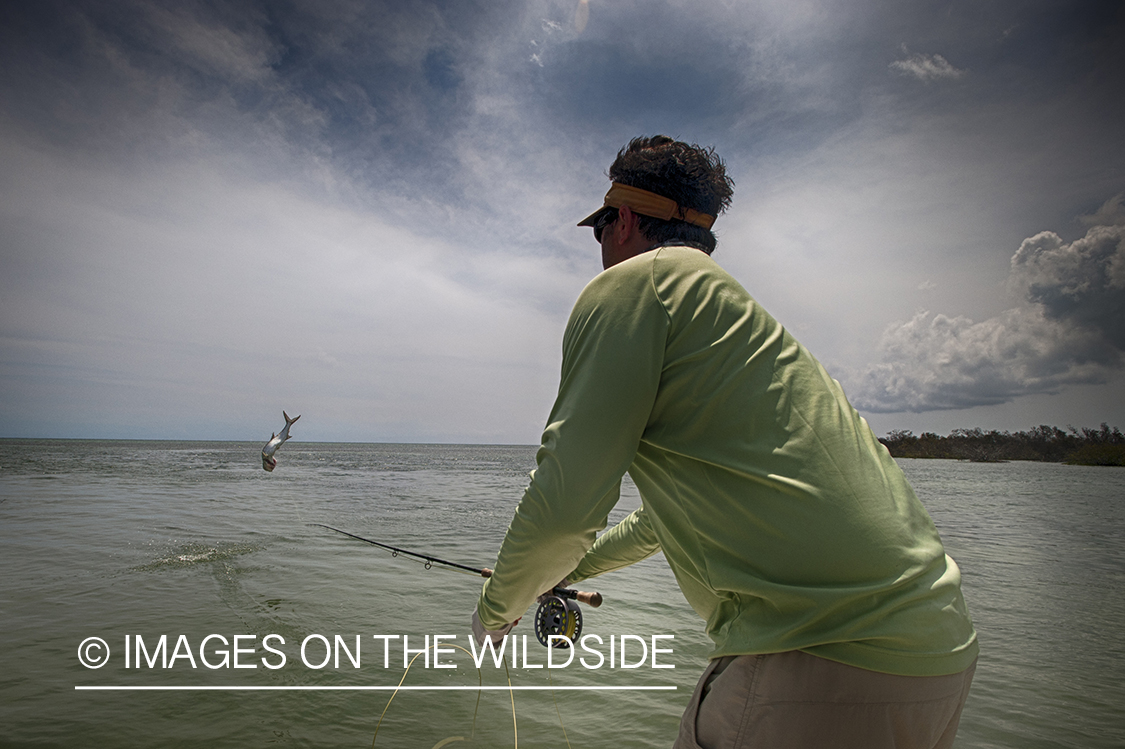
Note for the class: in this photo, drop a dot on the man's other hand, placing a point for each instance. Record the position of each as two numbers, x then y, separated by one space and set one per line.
496 635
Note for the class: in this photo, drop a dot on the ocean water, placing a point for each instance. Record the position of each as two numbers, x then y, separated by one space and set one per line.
193 541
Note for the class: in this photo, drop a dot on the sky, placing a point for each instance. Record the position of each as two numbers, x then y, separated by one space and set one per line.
364 212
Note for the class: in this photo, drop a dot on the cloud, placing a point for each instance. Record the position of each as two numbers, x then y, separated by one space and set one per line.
210 46
187 296
1078 284
1111 213
1070 329
927 67
582 15
406 176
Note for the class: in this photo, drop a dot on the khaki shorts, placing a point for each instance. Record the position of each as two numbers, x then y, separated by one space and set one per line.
790 700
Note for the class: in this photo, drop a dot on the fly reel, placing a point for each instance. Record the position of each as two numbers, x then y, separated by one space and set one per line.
558 616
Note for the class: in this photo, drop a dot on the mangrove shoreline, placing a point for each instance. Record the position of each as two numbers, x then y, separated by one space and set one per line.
1092 447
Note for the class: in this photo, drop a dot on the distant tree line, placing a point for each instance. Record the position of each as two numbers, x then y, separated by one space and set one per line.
1101 447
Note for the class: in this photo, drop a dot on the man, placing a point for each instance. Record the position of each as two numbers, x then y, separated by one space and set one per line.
836 615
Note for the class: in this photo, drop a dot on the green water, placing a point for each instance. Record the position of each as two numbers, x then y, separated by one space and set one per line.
127 539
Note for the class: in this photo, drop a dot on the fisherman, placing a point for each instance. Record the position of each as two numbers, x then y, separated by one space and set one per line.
836 616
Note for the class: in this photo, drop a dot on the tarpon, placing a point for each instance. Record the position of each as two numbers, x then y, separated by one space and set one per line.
268 461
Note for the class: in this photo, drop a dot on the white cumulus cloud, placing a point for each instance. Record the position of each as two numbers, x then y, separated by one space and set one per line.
1070 329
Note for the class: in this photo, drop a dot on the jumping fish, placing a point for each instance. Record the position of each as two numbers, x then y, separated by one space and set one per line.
268 461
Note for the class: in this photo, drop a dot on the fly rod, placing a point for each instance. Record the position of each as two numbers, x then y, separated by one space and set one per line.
557 614
430 561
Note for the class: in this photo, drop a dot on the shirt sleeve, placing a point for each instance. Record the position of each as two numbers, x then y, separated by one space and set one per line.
613 352
628 542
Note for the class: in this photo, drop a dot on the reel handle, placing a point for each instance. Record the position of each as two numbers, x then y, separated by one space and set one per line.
592 598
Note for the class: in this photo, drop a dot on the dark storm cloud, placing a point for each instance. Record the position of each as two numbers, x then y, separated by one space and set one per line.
373 87
1070 330
1080 284
382 89
747 75
72 65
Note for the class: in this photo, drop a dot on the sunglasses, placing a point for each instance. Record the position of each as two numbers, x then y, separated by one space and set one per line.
604 220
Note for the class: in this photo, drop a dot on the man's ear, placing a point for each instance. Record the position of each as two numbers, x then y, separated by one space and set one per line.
626 225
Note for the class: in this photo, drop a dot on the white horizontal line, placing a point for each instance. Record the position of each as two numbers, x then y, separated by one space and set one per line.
384 689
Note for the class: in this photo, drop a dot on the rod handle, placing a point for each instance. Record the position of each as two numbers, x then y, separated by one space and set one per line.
591 598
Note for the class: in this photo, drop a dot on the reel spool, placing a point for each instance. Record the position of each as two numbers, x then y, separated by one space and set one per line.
558 616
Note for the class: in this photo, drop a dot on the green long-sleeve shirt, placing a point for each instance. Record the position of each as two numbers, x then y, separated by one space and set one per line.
787 525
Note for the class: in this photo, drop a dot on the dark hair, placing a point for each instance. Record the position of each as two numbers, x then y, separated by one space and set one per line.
691 175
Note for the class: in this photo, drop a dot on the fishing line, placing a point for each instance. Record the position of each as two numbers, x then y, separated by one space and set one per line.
558 614
476 709
558 712
512 694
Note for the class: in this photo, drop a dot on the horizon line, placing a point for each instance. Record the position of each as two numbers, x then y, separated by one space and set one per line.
293 442
296 442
